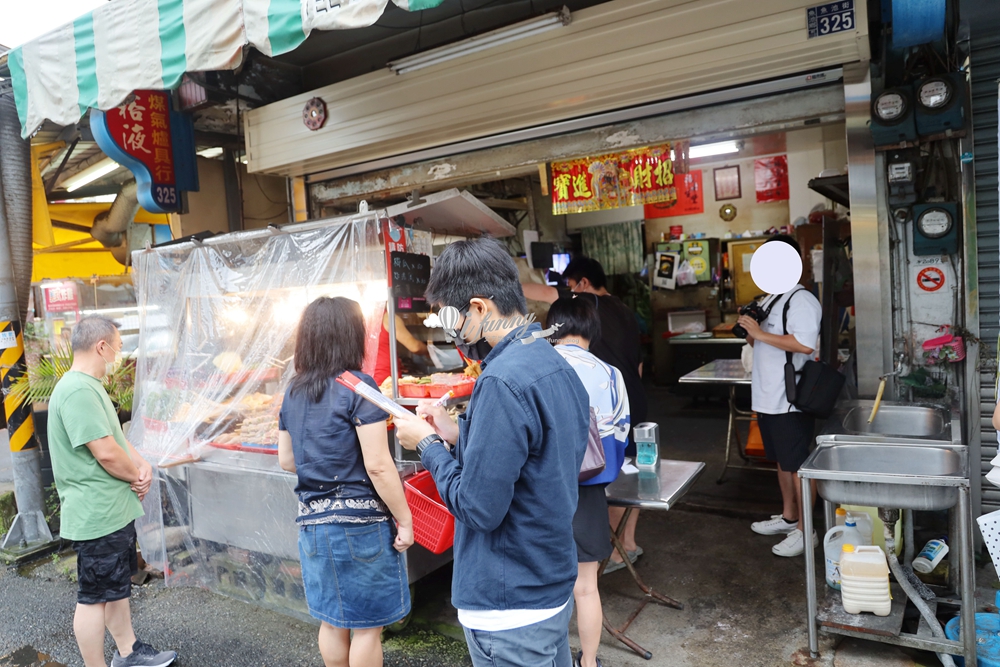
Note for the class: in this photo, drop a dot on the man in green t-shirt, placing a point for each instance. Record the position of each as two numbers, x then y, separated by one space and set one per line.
101 481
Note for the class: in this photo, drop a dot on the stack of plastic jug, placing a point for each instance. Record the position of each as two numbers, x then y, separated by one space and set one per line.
834 542
864 580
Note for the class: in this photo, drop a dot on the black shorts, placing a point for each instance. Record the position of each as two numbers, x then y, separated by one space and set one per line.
104 567
591 526
788 438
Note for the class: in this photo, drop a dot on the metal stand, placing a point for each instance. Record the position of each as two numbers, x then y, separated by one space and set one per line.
966 647
733 434
650 594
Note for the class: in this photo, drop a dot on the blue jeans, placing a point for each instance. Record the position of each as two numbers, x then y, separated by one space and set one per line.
544 644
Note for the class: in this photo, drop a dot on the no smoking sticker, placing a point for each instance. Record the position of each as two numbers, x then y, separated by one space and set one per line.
930 279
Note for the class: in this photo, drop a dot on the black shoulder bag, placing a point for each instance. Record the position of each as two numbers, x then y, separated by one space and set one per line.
817 390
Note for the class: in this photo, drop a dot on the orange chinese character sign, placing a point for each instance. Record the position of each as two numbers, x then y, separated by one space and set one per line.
137 135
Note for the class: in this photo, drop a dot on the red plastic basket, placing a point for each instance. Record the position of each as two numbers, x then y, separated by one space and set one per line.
433 524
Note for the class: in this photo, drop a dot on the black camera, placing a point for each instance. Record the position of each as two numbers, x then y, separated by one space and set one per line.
754 310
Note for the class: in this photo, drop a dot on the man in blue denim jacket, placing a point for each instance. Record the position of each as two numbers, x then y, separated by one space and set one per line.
511 479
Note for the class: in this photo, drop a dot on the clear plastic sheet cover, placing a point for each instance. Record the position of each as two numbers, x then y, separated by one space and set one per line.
217 335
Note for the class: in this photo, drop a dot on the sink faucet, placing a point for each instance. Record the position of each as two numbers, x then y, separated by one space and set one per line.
881 386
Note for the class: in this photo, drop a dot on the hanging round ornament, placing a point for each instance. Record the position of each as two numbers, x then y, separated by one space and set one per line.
314 114
727 212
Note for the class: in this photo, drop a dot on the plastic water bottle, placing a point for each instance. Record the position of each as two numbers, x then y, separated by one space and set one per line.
865 580
833 545
929 557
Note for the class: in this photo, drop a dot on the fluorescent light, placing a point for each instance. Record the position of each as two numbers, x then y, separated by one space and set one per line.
91 174
482 42
708 150
211 152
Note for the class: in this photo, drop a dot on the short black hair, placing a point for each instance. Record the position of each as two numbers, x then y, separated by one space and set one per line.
476 268
586 267
577 316
329 341
785 238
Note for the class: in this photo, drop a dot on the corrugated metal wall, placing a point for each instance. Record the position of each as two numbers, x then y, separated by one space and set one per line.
985 70
614 55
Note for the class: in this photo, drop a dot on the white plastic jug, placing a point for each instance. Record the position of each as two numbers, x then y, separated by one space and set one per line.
878 528
863 521
864 580
833 544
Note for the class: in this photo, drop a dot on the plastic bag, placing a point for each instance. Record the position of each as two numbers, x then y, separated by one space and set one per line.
686 274
746 356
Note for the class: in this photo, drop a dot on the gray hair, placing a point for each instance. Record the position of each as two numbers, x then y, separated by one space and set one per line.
89 331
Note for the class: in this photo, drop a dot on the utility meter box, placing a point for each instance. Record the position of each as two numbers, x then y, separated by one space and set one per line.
935 228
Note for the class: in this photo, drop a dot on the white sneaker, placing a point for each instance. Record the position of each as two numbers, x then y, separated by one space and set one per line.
793 545
776 525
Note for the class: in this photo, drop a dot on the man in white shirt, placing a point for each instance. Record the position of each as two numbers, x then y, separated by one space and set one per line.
787 433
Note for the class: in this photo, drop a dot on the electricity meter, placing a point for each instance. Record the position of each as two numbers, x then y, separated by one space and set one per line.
934 223
892 117
934 93
940 105
935 228
890 106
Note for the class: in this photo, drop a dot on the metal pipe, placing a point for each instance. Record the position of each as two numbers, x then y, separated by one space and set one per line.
968 576
15 170
889 519
29 528
810 556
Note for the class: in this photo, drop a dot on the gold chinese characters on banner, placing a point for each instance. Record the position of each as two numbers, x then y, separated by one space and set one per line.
631 178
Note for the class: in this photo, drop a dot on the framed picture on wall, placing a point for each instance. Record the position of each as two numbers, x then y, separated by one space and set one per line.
727 183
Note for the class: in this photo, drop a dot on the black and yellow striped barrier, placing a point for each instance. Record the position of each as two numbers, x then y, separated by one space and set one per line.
20 424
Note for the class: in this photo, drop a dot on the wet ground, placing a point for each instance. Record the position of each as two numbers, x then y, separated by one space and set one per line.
743 605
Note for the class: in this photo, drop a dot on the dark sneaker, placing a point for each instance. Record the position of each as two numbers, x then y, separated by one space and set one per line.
144 655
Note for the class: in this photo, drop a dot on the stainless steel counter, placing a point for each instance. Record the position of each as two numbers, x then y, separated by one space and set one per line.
720 371
654 490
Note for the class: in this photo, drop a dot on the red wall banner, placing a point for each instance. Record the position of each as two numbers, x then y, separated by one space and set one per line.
690 200
771 179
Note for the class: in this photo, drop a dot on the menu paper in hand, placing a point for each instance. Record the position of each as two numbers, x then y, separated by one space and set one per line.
372 395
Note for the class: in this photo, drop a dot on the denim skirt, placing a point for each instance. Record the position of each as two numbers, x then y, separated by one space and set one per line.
353 576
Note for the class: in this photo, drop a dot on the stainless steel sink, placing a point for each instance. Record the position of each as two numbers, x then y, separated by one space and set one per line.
896 422
888 474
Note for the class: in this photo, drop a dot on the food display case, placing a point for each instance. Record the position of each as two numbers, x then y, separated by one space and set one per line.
217 324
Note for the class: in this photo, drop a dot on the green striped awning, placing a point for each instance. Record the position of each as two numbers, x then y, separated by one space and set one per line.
127 45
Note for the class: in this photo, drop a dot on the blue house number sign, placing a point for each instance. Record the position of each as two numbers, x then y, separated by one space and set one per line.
831 18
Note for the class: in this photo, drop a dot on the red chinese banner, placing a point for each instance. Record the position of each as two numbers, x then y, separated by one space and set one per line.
771 179
587 184
648 176
689 198
632 178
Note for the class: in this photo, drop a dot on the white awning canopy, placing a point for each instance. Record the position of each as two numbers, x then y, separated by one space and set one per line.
100 58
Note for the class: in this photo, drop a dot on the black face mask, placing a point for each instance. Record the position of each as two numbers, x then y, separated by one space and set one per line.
474 351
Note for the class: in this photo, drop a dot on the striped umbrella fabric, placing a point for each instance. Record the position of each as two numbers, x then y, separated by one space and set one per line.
126 45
